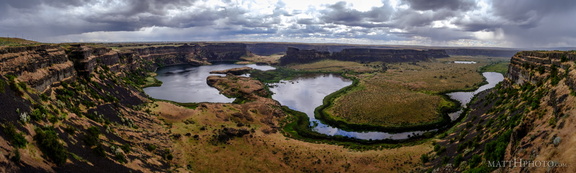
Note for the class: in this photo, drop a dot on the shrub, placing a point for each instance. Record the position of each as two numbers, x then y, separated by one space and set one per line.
457 160
2 85
151 147
70 129
494 150
16 138
126 148
92 136
424 158
49 143
99 150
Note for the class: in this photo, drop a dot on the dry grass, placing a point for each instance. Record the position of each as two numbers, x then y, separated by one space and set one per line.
274 152
406 93
338 66
272 59
264 151
6 41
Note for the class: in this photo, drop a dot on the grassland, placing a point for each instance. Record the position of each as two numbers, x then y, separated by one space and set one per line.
335 66
499 66
406 95
194 149
270 60
6 41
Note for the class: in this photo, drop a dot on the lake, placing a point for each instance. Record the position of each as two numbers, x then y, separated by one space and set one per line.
188 84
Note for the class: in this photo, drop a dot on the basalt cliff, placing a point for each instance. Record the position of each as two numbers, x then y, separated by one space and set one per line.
295 55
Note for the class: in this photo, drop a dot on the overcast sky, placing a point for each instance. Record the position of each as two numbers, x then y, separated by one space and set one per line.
502 23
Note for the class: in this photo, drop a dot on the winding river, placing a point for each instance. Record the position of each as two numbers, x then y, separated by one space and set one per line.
188 84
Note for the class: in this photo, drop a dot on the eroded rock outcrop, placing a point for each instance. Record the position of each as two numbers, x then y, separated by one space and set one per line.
40 66
536 66
244 88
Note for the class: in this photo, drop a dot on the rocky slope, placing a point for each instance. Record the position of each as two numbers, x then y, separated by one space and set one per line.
76 107
526 117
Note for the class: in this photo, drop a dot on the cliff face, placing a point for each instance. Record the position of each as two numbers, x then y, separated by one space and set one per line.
40 66
46 65
536 66
294 55
545 133
482 52
388 55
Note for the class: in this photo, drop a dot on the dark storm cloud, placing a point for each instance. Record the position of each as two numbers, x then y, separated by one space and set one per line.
439 34
528 13
454 5
514 22
144 13
119 15
412 21
340 13
411 18
20 3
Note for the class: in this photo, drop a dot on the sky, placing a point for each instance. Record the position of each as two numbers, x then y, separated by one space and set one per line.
484 23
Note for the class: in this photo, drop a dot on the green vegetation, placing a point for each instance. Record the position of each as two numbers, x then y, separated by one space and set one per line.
408 96
274 76
297 126
188 105
50 144
6 41
16 138
499 66
335 66
495 150
151 147
2 85
92 140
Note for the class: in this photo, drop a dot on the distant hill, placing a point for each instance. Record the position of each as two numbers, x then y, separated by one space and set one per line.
8 41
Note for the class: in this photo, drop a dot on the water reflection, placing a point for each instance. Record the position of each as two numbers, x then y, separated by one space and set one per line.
184 83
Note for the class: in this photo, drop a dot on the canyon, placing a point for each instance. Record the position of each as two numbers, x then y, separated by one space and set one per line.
90 96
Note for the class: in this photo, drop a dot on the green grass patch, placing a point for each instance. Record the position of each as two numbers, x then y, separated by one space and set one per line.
499 67
6 41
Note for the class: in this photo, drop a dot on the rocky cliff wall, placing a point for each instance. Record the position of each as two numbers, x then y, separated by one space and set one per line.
388 55
536 66
295 55
45 65
482 52
544 133
40 66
